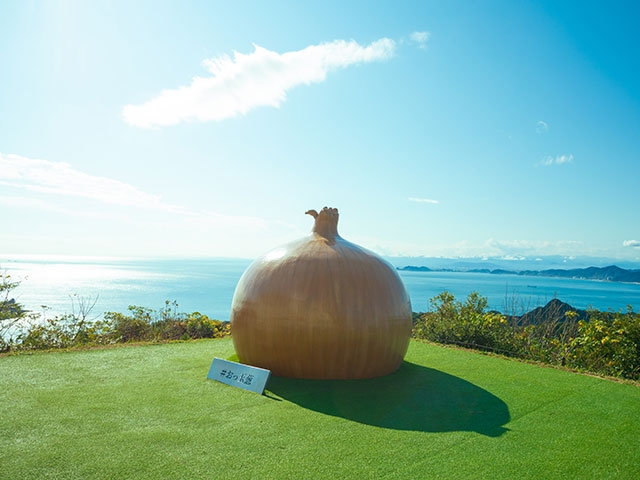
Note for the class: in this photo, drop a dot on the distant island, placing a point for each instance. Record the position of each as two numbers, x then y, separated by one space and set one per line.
611 273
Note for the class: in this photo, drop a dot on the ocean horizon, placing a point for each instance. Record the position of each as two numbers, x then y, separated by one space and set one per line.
57 285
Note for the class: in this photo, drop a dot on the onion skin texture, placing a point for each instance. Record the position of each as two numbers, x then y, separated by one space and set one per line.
321 308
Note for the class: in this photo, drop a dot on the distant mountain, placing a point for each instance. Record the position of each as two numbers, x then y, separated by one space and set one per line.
554 311
612 273
513 264
413 268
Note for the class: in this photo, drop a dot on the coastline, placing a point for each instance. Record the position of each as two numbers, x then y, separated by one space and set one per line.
610 273
207 285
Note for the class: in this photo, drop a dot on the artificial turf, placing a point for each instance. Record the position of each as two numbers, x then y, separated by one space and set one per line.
149 412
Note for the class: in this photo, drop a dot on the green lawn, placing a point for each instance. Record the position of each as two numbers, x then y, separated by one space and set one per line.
149 412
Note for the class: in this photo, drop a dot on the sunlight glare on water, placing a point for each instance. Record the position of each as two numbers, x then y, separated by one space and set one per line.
54 287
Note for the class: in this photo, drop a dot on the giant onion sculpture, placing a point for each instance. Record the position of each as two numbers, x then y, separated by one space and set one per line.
323 308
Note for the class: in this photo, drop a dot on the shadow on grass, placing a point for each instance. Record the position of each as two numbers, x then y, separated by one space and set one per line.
413 398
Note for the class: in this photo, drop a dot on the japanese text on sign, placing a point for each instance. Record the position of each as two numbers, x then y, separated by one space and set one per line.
239 375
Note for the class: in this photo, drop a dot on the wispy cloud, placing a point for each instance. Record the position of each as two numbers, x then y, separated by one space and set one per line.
631 243
525 248
59 178
557 160
542 127
21 201
420 38
247 81
491 248
423 200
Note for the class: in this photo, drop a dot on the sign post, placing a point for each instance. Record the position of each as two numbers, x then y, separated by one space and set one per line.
239 375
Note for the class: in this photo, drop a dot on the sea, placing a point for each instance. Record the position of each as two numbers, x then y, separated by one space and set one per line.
54 286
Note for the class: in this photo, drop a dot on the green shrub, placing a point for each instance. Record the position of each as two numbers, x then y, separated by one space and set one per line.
131 328
20 330
42 336
167 324
11 312
173 329
466 323
140 325
61 332
201 326
606 343
609 343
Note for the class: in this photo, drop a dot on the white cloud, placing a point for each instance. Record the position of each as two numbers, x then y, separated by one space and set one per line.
491 248
631 243
60 178
423 200
421 38
542 127
19 201
247 81
557 160
511 249
564 159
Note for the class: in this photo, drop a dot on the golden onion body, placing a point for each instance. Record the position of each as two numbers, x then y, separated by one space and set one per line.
322 308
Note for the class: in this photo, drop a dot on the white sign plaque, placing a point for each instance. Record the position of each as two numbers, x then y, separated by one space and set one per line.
239 375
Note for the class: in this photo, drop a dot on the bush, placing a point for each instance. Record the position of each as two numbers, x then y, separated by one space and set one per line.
12 314
466 324
606 343
168 324
140 325
131 328
173 329
35 332
201 326
51 334
609 343
61 332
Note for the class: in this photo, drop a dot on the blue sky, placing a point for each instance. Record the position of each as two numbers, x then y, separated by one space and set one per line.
457 129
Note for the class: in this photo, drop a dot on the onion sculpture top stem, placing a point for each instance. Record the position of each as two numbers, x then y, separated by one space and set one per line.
326 223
